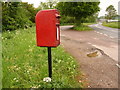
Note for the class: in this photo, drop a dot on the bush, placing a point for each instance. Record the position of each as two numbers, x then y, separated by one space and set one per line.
16 15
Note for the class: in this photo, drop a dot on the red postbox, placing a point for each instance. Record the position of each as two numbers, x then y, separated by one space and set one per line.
47 28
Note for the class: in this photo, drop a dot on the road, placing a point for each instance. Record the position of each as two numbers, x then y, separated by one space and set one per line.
111 32
104 38
101 70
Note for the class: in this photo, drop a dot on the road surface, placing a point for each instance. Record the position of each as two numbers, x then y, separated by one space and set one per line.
104 38
111 32
101 71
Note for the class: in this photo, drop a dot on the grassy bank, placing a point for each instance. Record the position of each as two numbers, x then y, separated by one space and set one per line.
63 24
83 27
25 65
112 24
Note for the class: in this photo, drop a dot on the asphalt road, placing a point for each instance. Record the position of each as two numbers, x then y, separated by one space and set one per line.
100 71
103 38
111 32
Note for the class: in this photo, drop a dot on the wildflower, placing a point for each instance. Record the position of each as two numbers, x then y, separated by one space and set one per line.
59 61
14 66
18 68
28 71
47 79
39 85
74 66
14 79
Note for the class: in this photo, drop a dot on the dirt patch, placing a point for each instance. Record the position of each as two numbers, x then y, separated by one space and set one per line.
99 69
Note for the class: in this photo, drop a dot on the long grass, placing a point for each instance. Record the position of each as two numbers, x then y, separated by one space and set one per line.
112 24
25 65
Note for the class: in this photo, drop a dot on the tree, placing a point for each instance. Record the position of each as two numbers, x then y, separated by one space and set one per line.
16 15
47 5
92 18
111 12
79 10
8 19
31 11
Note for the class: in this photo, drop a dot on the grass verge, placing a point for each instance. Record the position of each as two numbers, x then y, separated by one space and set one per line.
83 27
112 24
25 65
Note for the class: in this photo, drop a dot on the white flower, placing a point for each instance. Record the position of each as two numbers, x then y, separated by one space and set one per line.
47 79
2 37
14 79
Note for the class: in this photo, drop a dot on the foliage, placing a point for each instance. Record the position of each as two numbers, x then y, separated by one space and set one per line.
112 24
67 19
47 5
17 15
79 10
31 11
111 12
91 19
25 65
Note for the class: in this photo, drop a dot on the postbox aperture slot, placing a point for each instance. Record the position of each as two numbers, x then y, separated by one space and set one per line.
57 33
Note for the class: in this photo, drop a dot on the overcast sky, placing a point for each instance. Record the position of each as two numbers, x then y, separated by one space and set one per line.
103 4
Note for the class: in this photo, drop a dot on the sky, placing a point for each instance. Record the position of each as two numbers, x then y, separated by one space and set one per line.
103 4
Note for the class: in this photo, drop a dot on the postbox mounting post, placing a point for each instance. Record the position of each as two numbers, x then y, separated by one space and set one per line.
49 62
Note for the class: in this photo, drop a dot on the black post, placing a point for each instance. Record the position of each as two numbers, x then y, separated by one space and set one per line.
49 62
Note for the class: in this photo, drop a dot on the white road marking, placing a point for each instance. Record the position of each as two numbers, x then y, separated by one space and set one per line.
96 25
94 38
94 45
88 43
62 35
105 34
111 37
118 65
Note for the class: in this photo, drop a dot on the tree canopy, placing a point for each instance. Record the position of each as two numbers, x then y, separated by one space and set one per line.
111 12
17 15
79 10
47 5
